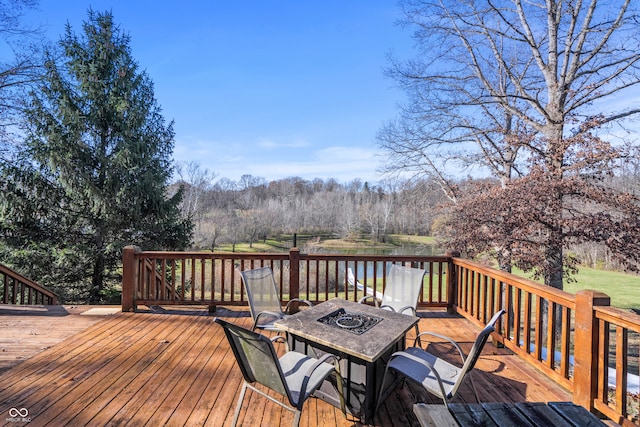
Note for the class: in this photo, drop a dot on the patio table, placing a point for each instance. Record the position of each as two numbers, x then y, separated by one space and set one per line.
339 327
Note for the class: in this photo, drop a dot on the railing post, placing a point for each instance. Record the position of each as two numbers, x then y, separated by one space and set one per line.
5 298
585 370
129 277
451 282
294 273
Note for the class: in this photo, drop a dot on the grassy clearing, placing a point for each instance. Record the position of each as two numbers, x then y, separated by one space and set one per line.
257 247
416 240
624 289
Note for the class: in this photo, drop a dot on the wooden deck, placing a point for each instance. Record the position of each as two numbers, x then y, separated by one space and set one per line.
29 329
174 367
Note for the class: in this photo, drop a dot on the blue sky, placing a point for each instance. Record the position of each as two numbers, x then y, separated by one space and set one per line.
269 88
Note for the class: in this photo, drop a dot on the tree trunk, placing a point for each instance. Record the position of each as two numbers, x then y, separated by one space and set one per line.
97 279
555 158
553 257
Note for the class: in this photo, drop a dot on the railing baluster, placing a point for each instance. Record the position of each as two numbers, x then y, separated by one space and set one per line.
15 292
192 265
232 273
317 279
603 360
307 264
551 335
566 342
213 280
526 328
517 317
484 304
538 326
621 367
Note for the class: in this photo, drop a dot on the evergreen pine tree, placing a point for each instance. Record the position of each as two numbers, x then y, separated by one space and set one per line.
100 150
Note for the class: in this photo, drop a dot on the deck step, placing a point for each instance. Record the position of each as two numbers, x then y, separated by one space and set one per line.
434 415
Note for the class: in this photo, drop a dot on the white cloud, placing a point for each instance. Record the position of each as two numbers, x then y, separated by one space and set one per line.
273 161
272 144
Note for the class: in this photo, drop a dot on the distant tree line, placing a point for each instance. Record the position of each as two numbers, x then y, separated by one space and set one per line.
252 209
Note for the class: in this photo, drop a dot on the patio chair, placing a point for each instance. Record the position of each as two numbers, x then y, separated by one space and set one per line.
264 300
401 291
436 375
294 375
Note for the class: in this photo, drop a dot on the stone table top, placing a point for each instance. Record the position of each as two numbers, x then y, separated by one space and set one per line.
368 346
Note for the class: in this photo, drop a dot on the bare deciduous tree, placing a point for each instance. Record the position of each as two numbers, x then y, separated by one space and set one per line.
511 86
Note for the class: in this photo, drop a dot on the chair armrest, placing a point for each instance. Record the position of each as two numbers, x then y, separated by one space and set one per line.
375 300
316 365
281 338
402 310
269 313
328 356
444 337
424 363
286 309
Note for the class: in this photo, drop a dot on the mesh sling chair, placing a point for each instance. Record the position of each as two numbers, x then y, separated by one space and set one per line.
294 375
434 374
264 300
401 291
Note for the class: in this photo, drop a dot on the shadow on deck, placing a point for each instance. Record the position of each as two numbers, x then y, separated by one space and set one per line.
174 367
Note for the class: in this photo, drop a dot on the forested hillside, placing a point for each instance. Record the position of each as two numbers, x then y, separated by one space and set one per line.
252 209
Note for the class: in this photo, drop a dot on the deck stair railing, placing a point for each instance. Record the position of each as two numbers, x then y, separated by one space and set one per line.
578 340
158 281
17 289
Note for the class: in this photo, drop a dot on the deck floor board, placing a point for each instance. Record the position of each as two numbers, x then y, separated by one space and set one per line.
175 368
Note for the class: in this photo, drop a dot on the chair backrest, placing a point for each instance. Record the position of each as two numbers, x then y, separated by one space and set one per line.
261 291
256 357
403 287
477 347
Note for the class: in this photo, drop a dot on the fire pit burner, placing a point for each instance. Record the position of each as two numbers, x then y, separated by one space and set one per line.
349 322
356 323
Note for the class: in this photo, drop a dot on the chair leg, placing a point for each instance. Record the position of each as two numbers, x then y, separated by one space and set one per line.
418 341
239 405
473 385
296 418
379 397
340 387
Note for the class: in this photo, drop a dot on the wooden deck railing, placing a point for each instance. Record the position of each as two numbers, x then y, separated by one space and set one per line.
618 332
205 278
17 289
539 320
566 336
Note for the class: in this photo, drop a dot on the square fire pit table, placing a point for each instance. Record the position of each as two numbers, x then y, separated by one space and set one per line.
364 337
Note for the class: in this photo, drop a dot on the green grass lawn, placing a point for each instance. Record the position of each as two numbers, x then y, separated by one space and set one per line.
624 289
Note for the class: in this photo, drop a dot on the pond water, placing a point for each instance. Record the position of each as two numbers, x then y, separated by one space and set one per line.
405 249
370 267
